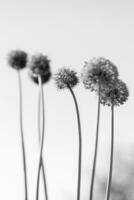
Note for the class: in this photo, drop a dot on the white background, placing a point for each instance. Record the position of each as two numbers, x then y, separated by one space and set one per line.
69 32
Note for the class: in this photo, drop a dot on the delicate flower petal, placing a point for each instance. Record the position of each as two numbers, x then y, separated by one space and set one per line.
65 77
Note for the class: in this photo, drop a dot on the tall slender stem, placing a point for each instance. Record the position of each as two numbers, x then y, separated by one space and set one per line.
96 149
111 155
80 144
42 137
22 136
39 138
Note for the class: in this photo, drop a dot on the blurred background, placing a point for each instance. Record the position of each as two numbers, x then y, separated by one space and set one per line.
69 32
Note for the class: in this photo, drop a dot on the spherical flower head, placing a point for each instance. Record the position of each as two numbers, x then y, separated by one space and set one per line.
66 78
40 66
98 71
116 95
17 59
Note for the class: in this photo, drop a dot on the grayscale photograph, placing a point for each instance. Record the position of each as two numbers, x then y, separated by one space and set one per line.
67 99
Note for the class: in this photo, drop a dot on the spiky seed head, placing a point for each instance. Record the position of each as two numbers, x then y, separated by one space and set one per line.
66 77
116 95
17 59
98 71
39 65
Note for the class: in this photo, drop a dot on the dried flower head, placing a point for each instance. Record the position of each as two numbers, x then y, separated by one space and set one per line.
116 94
66 77
17 59
39 65
98 71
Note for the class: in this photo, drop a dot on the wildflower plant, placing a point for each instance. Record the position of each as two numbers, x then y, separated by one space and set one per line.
97 75
39 71
67 79
112 96
18 60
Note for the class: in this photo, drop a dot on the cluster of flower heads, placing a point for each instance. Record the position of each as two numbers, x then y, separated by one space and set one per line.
39 64
101 75
66 78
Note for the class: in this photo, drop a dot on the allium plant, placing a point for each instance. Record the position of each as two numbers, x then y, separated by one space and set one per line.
39 71
18 60
66 78
96 75
114 95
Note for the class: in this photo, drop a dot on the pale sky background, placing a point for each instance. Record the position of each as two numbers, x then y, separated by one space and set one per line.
69 32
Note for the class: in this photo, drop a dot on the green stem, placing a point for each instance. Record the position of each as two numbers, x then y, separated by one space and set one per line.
80 144
42 161
22 136
95 150
42 138
111 155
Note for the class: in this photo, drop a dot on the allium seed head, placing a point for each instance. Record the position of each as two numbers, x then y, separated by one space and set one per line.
66 77
116 94
98 71
17 59
39 65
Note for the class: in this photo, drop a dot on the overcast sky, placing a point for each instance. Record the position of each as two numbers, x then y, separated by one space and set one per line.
69 33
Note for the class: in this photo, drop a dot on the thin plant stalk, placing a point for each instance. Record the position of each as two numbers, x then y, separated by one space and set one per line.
42 137
39 138
111 155
22 136
95 150
80 144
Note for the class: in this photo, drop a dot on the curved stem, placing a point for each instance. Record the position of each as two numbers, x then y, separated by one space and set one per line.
95 150
39 137
42 138
80 144
22 136
111 155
